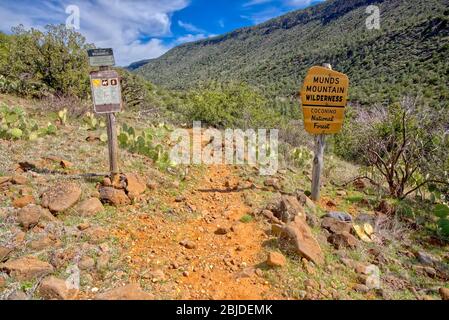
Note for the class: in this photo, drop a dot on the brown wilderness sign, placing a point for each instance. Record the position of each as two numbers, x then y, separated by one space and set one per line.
106 91
324 96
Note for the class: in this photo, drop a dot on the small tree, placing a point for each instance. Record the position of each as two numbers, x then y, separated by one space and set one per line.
405 143
51 62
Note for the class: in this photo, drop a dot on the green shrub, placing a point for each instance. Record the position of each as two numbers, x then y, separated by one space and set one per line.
442 212
53 62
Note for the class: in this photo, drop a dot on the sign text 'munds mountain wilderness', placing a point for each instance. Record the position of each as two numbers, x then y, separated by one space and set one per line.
324 97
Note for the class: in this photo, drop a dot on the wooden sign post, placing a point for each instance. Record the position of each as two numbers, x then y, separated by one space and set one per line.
107 98
324 96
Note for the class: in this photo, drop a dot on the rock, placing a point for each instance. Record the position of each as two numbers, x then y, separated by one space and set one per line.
4 253
303 239
26 268
86 263
152 185
444 293
291 208
343 240
128 292
312 219
270 216
426 259
364 232
341 216
83 226
61 197
188 244
65 164
222 231
96 235
361 288
29 216
180 199
41 244
2 282
52 288
23 201
276 259
46 216
18 179
272 182
4 180
335 226
305 201
114 196
18 295
135 185
89 207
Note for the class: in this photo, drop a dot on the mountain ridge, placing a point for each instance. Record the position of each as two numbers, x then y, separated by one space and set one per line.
276 54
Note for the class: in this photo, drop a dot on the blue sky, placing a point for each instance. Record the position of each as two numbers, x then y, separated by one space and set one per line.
142 29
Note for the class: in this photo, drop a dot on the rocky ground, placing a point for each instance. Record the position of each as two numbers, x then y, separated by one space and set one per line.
216 232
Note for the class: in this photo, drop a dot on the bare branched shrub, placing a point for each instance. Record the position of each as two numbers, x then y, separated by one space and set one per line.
404 142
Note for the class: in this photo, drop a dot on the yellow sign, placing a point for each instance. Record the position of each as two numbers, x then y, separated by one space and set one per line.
96 83
324 96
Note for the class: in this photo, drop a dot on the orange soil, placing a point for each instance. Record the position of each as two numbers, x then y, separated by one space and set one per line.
217 267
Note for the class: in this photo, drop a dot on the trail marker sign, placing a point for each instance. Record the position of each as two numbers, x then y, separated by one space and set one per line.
106 91
101 57
324 97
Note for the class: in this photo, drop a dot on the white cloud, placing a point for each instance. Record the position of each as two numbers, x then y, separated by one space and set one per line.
255 2
193 37
190 27
120 24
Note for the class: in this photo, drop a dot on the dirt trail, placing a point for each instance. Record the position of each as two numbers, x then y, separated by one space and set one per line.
221 266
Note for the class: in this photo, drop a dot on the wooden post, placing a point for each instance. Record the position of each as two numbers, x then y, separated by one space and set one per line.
112 144
113 148
318 160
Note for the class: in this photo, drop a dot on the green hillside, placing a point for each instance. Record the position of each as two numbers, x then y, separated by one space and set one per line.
407 55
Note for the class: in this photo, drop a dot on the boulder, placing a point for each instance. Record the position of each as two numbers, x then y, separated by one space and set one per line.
89 207
41 244
272 182
135 185
4 253
286 208
114 196
29 216
4 180
52 288
341 216
128 292
19 180
26 268
306 245
95 235
335 226
61 197
444 293
343 240
23 201
276 259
